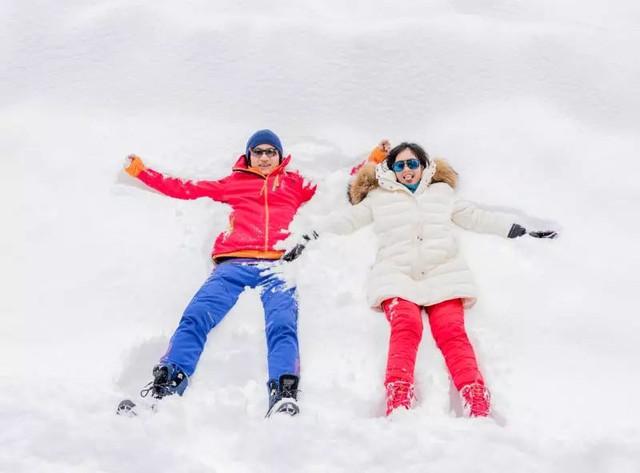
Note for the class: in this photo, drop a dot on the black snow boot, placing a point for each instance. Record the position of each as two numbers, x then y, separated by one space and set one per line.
167 380
283 395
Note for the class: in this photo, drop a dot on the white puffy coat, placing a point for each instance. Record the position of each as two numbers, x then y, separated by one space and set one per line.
418 258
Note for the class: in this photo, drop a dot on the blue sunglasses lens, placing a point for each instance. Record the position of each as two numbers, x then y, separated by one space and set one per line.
398 166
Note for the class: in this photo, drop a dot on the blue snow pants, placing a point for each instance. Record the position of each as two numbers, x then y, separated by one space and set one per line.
215 299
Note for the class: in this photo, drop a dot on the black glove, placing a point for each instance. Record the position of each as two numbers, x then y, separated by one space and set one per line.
296 251
293 253
544 234
518 230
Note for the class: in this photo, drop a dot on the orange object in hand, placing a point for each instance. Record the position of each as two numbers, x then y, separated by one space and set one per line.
135 167
380 152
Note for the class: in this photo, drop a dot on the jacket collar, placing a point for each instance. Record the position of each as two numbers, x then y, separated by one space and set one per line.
371 176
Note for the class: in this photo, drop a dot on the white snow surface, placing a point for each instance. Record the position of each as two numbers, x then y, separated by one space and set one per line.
536 105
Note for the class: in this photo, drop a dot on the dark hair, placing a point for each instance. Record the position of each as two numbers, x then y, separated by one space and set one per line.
417 150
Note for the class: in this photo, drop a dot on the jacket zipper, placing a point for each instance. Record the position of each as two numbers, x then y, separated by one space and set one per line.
266 213
265 188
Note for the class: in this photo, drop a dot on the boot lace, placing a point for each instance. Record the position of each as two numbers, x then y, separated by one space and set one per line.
400 393
476 400
161 386
157 391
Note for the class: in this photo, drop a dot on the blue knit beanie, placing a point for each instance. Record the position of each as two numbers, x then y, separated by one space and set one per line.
264 137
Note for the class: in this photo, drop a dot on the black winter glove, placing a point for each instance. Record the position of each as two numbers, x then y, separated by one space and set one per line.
518 230
544 234
297 250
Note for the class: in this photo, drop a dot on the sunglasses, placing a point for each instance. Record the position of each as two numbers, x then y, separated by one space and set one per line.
413 163
270 152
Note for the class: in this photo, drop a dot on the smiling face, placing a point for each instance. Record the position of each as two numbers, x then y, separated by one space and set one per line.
265 158
407 175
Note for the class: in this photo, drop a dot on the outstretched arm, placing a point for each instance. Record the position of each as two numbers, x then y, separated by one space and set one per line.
348 220
469 216
377 155
172 186
341 223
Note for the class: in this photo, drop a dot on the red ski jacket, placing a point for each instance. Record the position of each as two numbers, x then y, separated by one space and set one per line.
262 206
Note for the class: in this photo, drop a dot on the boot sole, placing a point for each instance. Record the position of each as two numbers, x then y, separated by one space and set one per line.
284 406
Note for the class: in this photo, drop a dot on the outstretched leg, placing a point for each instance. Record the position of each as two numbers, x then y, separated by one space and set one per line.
447 326
208 307
405 319
281 326
406 332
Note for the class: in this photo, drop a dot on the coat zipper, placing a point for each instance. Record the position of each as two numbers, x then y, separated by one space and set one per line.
265 189
266 213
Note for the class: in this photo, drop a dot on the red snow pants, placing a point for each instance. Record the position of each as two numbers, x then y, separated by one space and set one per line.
447 327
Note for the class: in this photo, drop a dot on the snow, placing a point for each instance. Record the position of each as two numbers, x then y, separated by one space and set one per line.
536 105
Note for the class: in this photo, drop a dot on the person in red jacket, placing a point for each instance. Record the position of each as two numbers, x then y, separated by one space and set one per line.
264 196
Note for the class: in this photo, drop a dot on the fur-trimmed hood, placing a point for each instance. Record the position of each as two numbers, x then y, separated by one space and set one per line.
371 176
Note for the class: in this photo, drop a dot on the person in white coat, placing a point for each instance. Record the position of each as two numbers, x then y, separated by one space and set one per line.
411 201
